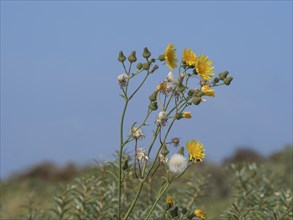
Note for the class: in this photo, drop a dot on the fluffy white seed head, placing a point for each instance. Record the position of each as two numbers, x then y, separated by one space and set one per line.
177 163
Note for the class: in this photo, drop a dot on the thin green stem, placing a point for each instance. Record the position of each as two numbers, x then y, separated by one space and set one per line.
131 96
157 200
120 157
134 201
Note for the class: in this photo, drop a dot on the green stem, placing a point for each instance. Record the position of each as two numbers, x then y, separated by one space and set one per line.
139 86
120 158
157 200
134 201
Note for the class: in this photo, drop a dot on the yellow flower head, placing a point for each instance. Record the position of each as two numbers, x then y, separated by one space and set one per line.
207 90
170 200
170 56
189 57
186 115
199 213
195 150
204 67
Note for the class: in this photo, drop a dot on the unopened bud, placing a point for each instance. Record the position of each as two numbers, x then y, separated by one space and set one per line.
153 97
153 60
223 75
216 80
121 57
228 80
146 53
132 57
175 141
196 92
139 66
178 116
153 106
200 94
184 211
154 68
180 87
196 100
190 92
174 212
164 150
162 57
145 66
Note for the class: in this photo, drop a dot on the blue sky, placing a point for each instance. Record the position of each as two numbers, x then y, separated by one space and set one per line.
59 95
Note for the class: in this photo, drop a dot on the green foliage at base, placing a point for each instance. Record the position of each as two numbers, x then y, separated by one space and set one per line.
236 191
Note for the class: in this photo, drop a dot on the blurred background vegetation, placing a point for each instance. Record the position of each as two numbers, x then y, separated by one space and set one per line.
245 185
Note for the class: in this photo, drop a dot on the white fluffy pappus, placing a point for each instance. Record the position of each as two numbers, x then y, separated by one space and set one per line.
177 163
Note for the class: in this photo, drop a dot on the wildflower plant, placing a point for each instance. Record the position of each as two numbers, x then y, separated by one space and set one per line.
187 84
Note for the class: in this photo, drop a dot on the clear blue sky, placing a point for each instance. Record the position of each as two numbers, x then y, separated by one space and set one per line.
59 95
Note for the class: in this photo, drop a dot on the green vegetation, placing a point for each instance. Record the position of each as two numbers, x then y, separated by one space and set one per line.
245 186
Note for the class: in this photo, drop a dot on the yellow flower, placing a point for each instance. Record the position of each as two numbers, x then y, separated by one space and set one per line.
189 57
207 90
186 115
170 56
170 200
199 213
195 150
204 67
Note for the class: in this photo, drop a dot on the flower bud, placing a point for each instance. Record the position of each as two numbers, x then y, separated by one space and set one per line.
164 150
196 100
181 151
180 87
153 97
190 92
121 57
139 66
200 94
146 53
223 75
132 57
216 80
228 80
153 106
125 165
178 116
162 57
145 66
174 212
195 92
153 60
175 141
154 68
184 211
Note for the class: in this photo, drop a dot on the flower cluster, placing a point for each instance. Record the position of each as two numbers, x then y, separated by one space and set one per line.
169 102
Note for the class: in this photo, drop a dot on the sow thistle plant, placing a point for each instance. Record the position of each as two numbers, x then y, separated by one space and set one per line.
188 83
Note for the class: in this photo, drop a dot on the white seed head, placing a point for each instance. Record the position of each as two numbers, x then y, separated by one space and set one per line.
137 133
162 118
141 155
122 79
177 163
